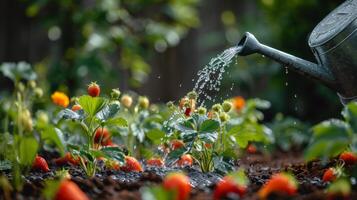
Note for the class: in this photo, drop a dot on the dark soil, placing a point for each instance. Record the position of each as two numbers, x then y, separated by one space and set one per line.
110 184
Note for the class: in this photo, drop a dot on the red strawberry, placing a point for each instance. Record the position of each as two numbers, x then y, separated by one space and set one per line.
350 158
177 144
67 159
131 165
251 149
68 190
157 162
102 136
93 89
228 186
188 112
178 183
185 160
280 183
330 175
208 145
40 164
76 107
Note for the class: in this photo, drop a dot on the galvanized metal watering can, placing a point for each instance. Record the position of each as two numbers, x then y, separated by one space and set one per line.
334 44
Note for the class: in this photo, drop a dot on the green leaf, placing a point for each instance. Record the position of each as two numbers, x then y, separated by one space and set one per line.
209 125
208 137
118 121
91 105
5 165
55 136
176 154
331 130
330 138
115 153
18 71
69 114
108 111
50 189
250 132
155 135
350 114
239 177
157 193
185 126
27 150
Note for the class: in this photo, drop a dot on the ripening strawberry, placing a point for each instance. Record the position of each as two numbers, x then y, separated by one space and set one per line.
76 107
251 149
188 112
330 175
68 190
279 183
185 160
67 159
179 184
131 165
102 136
40 164
93 89
157 162
228 186
177 144
350 158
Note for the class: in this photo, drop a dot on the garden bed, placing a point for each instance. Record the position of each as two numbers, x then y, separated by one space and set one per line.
113 184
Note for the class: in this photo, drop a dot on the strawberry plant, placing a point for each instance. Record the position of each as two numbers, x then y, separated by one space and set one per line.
212 138
332 137
96 114
18 139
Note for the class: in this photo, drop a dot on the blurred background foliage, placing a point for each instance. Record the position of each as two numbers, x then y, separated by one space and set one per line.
155 47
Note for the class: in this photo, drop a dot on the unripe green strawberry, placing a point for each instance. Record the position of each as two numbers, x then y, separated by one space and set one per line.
227 106
115 94
126 100
217 107
143 102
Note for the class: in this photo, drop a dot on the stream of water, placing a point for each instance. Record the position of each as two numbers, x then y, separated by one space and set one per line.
209 78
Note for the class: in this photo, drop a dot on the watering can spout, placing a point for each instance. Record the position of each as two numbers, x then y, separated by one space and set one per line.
250 45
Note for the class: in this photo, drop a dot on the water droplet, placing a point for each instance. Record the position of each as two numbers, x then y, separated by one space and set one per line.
286 83
158 77
295 96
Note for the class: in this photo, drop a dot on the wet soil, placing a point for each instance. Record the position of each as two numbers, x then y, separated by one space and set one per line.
111 184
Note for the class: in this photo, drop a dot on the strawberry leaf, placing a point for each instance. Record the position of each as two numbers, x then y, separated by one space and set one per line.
209 125
91 105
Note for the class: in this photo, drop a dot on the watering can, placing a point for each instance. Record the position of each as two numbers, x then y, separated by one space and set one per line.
334 44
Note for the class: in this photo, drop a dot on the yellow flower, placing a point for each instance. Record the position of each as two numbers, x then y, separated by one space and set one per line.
60 98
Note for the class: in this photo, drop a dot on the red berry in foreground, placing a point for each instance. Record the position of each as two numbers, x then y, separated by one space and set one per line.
131 165
68 190
93 89
185 160
157 162
102 136
227 186
280 183
329 175
179 183
40 164
350 158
